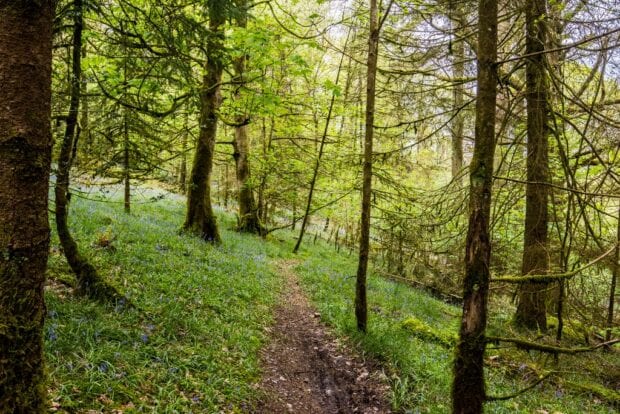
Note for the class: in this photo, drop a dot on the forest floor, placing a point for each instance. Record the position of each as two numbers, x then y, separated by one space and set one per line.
307 370
248 326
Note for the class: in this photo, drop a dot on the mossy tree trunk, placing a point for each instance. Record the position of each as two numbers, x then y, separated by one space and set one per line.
614 281
458 65
25 152
531 309
89 282
249 221
200 218
468 387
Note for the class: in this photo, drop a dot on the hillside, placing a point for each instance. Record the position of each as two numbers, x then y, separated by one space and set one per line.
203 314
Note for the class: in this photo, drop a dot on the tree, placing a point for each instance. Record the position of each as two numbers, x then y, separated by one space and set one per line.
200 218
468 388
248 212
458 123
89 282
25 151
361 307
317 164
531 309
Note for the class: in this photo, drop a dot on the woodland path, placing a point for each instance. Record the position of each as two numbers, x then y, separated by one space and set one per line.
307 371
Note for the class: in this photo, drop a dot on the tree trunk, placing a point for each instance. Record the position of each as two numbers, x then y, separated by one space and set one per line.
531 309
183 166
126 172
317 164
468 388
614 281
248 213
25 152
361 307
85 112
200 218
89 283
458 59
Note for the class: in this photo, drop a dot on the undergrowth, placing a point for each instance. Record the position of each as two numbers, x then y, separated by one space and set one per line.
191 344
414 334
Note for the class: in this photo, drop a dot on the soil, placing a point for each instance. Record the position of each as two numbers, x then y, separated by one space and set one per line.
307 370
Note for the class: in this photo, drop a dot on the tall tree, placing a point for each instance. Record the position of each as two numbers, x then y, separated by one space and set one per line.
25 151
200 218
468 388
531 309
89 282
361 307
248 212
458 65
317 164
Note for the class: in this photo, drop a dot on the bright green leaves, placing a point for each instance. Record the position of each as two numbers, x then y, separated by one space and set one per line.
332 87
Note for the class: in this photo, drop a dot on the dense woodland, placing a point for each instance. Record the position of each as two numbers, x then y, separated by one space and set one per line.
470 150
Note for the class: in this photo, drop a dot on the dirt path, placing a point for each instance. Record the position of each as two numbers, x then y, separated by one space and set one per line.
307 371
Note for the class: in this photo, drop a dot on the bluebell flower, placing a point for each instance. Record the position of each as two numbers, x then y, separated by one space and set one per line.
51 333
103 366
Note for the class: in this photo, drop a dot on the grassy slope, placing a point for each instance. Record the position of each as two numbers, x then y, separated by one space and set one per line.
419 359
194 346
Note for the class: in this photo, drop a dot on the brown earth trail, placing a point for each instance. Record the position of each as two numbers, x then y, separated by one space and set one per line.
306 370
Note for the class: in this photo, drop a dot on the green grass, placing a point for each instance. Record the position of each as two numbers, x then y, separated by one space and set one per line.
191 347
193 344
410 333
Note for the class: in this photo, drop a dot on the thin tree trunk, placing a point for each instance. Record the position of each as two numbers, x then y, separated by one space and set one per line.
89 283
468 387
226 189
267 140
183 166
126 174
200 218
361 307
458 59
531 309
315 172
614 281
25 152
85 112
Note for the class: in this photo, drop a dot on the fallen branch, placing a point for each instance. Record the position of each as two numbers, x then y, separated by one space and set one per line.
552 277
535 346
521 391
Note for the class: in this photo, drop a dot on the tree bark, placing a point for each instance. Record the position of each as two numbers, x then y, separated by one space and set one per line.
249 221
361 307
531 309
126 165
25 153
468 387
200 218
614 282
458 65
183 166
